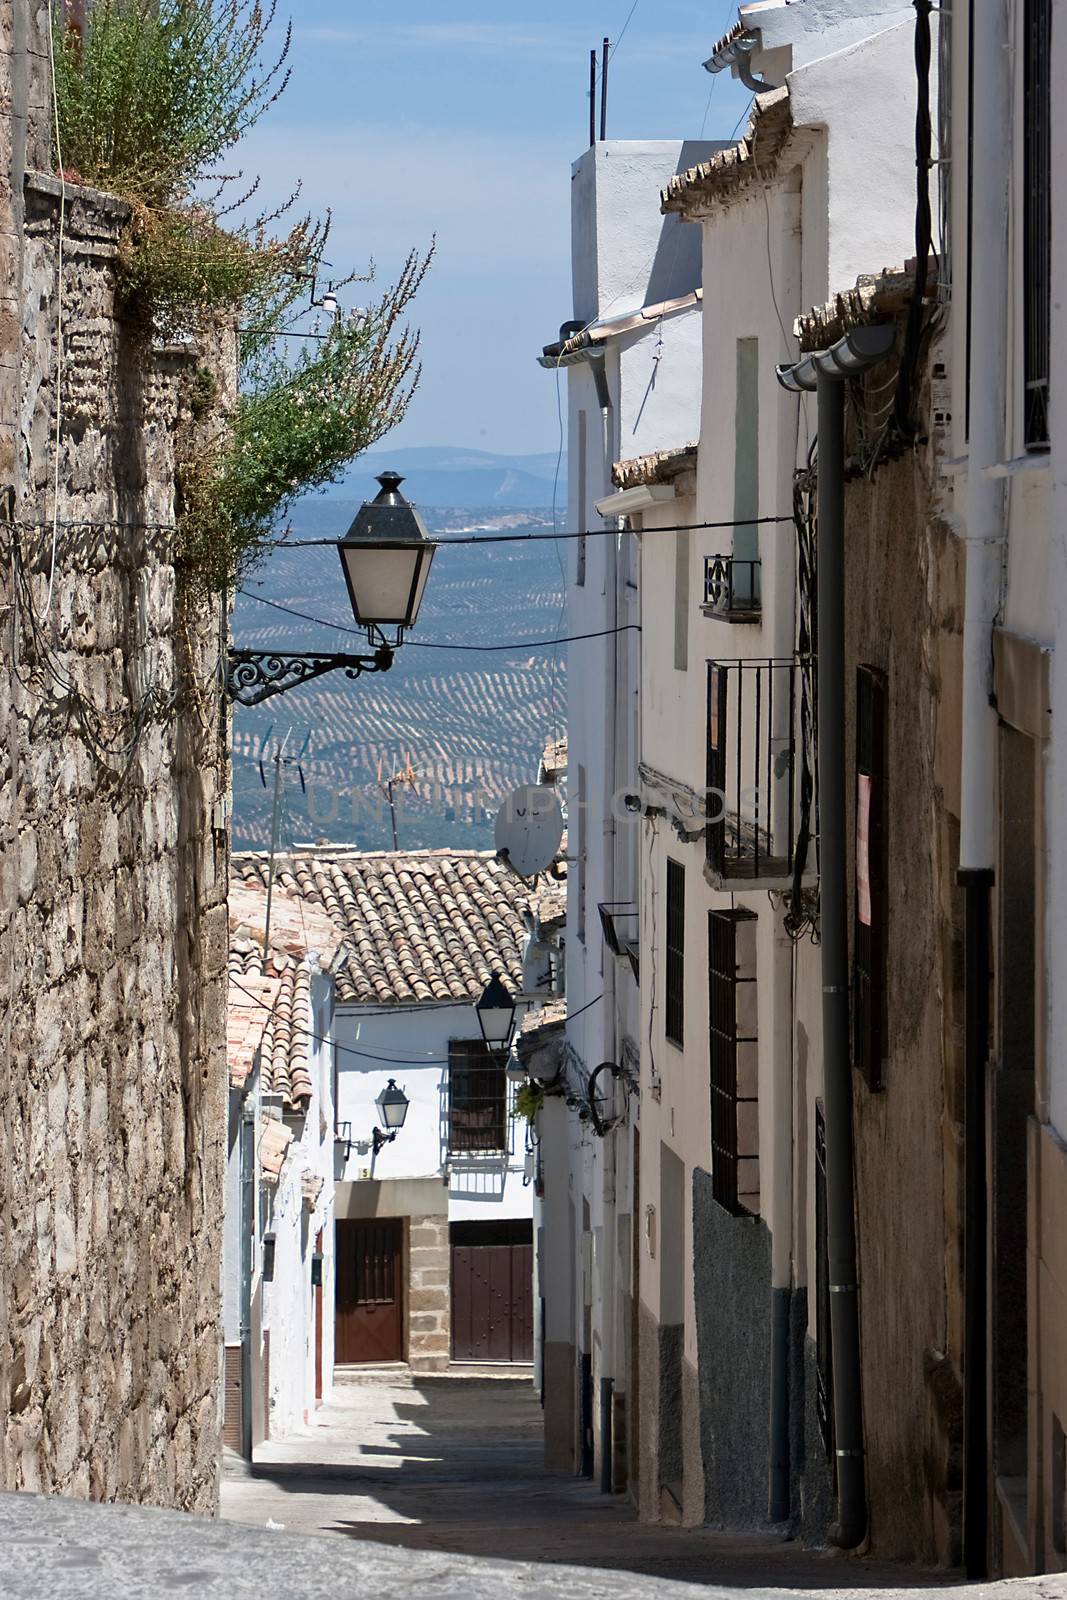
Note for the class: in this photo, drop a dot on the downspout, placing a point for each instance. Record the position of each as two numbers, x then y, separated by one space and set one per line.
825 371
247 1165
851 1525
984 535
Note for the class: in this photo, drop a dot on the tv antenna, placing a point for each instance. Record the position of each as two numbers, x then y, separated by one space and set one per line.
405 776
281 760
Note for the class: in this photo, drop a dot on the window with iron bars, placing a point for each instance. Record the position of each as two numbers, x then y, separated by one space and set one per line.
869 944
733 1036
824 1387
1037 218
477 1098
751 769
675 1013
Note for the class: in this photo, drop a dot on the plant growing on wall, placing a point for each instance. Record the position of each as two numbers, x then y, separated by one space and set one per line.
150 96
529 1100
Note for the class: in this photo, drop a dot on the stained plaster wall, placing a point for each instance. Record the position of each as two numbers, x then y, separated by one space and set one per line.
903 583
112 883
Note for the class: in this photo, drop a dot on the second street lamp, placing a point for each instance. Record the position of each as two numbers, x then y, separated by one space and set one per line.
495 1010
385 557
392 1105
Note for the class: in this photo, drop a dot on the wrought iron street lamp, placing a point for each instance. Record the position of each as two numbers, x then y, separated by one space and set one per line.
495 1011
392 1106
385 557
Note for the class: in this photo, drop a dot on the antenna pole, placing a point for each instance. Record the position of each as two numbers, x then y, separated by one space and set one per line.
279 755
392 812
604 94
592 98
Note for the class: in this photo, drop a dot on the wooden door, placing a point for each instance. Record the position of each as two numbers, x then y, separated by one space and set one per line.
492 1302
370 1291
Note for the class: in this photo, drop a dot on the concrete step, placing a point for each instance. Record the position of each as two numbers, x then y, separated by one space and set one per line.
399 1373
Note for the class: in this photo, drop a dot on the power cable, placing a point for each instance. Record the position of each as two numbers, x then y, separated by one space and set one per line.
426 644
540 538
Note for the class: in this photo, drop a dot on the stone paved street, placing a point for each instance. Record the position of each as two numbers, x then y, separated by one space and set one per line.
454 1464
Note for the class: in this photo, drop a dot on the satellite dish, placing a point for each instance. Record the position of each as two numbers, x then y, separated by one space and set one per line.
529 829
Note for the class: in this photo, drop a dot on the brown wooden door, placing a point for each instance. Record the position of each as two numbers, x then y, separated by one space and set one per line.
492 1302
370 1291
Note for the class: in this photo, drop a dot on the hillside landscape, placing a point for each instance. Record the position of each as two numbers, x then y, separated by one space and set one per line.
472 723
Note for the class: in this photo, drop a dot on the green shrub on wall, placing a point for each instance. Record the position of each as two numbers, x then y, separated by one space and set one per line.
149 100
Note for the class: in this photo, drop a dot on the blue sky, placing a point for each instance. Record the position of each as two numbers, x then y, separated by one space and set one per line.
462 120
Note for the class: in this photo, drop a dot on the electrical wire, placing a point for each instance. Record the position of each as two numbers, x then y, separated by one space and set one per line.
541 538
426 644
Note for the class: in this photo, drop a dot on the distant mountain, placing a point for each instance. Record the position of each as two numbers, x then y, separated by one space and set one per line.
451 477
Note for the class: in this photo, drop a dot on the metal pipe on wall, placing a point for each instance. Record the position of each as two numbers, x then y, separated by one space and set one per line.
985 533
851 1526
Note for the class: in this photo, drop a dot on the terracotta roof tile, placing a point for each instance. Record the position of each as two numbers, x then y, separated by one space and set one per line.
416 926
727 172
280 981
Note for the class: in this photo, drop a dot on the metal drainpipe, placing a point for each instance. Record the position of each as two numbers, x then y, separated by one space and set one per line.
248 1152
984 532
851 1526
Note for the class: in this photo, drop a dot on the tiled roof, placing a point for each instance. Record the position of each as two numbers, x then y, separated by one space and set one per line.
728 171
876 297
554 760
659 467
284 1046
248 1011
269 999
425 925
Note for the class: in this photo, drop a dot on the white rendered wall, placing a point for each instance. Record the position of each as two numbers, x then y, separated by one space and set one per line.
411 1045
288 1300
624 254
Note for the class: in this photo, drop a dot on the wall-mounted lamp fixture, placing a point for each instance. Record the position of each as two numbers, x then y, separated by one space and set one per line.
392 1106
495 1010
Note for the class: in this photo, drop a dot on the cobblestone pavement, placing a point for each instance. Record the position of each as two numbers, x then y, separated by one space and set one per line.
455 1464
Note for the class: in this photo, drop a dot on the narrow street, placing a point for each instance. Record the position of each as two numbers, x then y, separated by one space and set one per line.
454 1463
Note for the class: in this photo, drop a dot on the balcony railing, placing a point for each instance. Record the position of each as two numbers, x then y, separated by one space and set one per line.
751 770
731 589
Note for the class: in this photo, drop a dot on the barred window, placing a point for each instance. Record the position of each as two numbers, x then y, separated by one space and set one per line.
477 1097
675 1014
733 1036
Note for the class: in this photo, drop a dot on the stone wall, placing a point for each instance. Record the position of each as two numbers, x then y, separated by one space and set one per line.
429 1299
113 872
904 586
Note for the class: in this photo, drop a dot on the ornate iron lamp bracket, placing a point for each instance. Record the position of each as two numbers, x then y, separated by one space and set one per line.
254 675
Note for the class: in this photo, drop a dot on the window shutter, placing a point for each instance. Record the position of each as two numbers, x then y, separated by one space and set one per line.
733 1034
869 1027
675 1012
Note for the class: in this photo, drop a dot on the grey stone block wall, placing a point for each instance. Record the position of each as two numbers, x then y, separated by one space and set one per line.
113 874
732 1288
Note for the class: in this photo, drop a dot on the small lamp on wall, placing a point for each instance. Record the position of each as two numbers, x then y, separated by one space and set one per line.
392 1106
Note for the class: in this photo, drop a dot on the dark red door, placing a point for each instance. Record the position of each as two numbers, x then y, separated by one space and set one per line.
492 1302
370 1291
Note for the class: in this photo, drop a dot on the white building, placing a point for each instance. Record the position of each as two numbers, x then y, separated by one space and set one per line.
278 1253
787 218
630 356
433 1227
